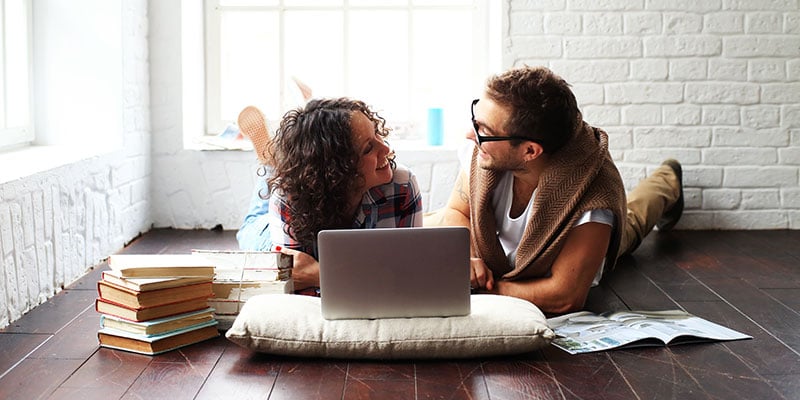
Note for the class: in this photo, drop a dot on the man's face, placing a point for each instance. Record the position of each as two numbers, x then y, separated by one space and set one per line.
490 118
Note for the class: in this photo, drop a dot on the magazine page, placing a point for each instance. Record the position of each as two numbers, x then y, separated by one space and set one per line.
586 332
674 324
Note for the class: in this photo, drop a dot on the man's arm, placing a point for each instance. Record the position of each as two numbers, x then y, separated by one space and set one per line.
456 212
573 271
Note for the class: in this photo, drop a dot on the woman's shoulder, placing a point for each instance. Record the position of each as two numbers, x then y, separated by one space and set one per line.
402 174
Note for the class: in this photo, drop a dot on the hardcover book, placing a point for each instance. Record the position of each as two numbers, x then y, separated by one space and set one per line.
160 325
152 345
229 297
148 284
245 265
104 306
160 265
134 299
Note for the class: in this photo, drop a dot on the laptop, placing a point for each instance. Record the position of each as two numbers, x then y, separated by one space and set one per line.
394 272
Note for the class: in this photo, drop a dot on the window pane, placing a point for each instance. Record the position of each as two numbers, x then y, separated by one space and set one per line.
17 64
378 61
314 50
249 70
442 67
4 38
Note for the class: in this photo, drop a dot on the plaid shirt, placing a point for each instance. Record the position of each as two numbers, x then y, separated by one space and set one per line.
397 204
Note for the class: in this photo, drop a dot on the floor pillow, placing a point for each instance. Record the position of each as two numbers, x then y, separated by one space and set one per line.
292 325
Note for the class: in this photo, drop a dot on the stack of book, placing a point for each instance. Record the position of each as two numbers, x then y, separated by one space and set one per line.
240 275
151 304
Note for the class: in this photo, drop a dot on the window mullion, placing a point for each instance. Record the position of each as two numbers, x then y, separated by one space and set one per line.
214 82
346 47
3 69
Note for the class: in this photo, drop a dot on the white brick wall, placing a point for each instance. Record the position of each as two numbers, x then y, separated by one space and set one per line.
713 83
56 224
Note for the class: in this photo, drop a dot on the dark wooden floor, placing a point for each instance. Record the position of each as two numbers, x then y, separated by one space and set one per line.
748 281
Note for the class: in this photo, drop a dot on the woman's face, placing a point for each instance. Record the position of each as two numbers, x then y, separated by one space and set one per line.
373 164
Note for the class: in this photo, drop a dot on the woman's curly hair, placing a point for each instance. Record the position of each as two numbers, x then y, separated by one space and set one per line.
316 165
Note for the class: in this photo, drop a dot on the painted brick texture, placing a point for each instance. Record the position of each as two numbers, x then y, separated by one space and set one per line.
712 83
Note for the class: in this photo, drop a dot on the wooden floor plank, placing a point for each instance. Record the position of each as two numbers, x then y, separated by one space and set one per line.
521 379
89 280
719 371
384 380
15 346
764 353
240 374
637 291
169 380
450 380
766 270
107 374
310 379
78 340
788 297
653 374
765 311
586 376
379 389
36 378
602 298
787 385
158 241
54 314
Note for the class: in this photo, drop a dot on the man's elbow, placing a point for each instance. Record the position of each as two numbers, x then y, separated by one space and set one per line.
565 305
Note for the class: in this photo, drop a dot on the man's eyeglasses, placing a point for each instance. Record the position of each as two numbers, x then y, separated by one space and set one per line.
482 138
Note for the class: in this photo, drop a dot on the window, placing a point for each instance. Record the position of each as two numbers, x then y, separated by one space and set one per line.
400 56
15 72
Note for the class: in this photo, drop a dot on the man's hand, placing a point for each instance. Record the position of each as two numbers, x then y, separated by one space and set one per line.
480 276
305 269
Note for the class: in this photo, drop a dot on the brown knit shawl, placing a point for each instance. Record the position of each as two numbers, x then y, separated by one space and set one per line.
579 177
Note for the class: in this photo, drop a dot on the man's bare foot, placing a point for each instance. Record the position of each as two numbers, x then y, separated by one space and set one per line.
253 126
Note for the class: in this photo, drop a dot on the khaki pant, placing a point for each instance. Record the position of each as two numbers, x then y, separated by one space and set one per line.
646 204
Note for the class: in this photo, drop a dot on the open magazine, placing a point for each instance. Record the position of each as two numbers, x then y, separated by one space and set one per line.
584 332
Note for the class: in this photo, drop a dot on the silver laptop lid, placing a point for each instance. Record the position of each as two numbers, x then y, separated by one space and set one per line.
394 272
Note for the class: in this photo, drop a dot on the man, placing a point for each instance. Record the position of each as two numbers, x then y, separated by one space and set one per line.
544 201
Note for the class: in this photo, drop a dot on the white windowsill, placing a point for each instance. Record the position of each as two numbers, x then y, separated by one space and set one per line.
26 161
214 143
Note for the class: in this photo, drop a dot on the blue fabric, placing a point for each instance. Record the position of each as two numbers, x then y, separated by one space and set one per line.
253 233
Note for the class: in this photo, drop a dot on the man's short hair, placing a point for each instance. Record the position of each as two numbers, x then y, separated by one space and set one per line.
541 104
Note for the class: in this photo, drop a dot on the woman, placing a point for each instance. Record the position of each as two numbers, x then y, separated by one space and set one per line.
328 167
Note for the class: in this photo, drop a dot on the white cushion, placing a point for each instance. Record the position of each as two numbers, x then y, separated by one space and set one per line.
287 324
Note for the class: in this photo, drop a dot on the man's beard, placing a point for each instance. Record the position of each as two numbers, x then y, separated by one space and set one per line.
503 165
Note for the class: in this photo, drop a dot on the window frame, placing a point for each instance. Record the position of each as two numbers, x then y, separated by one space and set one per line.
486 58
14 136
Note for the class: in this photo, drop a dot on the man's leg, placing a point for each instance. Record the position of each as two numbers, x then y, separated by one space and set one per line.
657 200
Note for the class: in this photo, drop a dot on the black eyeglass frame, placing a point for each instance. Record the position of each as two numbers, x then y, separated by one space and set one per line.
482 138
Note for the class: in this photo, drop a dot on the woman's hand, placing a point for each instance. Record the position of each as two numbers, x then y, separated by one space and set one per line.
305 269
480 276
